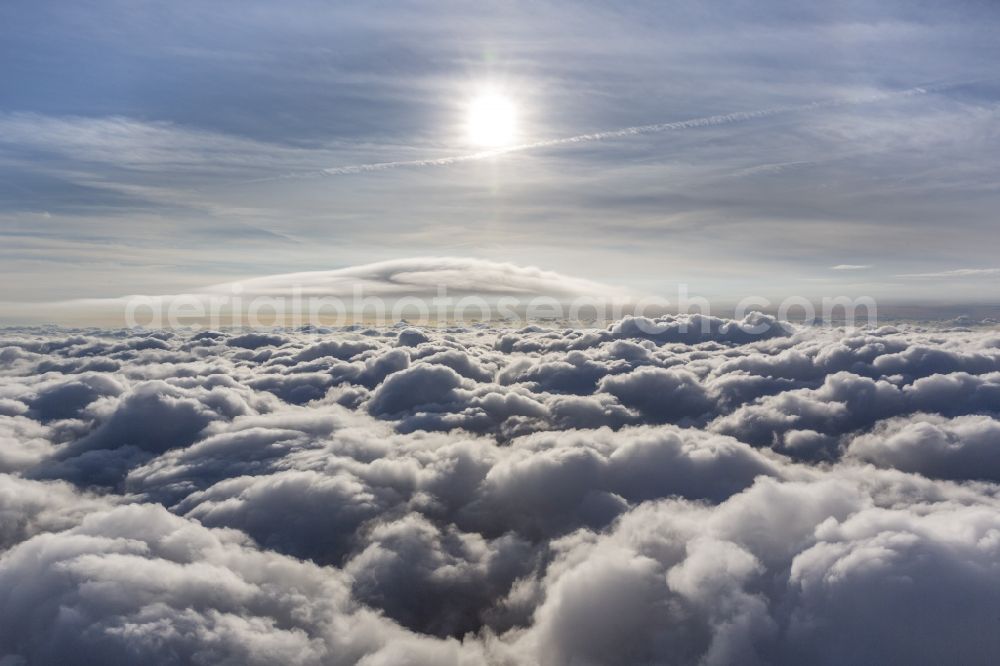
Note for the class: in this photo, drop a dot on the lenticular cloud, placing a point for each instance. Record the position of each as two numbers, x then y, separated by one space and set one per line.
648 493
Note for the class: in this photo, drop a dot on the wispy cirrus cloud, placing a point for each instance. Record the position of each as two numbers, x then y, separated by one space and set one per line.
621 133
158 141
957 273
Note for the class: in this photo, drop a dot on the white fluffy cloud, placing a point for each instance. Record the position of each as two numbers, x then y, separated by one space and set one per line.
636 494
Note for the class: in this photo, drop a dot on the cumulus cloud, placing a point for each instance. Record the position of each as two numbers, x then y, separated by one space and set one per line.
683 489
965 447
659 394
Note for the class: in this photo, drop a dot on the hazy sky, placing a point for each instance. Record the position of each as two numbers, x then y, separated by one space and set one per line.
162 146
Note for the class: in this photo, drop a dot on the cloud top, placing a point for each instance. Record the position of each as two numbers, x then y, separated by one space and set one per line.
479 495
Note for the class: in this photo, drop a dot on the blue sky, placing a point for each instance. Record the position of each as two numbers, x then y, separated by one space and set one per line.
162 146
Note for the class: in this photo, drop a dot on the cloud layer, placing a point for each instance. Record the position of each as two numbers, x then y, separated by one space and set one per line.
653 492
423 287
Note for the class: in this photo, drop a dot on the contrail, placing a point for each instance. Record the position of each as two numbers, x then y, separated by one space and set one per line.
706 121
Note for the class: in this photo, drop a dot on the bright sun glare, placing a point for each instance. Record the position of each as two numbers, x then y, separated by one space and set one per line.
492 120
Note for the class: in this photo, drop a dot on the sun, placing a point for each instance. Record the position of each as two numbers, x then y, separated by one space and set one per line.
492 120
